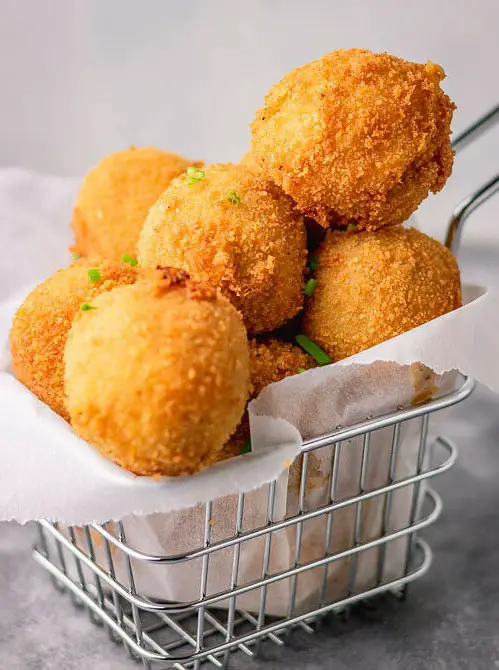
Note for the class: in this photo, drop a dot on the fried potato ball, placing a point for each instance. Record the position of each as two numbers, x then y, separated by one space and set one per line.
157 374
372 286
236 231
116 196
270 361
249 162
42 323
357 136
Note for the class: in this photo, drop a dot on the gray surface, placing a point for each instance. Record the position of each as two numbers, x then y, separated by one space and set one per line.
449 620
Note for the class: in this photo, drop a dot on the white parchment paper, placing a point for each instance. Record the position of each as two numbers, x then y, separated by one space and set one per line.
48 472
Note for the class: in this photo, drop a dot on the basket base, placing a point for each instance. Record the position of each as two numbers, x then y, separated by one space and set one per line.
169 638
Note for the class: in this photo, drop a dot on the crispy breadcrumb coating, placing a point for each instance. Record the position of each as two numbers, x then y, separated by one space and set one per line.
372 286
116 196
250 162
236 231
41 325
270 361
157 374
357 136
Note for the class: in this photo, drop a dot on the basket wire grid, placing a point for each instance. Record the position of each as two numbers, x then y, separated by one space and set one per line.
98 566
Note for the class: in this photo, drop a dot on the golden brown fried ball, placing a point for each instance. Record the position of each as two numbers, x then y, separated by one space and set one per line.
116 196
249 162
41 325
157 374
372 286
357 136
270 361
236 231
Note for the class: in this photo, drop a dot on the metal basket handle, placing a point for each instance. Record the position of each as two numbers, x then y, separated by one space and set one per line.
473 201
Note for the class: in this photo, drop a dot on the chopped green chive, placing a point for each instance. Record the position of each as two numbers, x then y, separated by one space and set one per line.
300 370
313 349
86 306
351 227
313 263
233 198
129 259
75 257
246 447
94 274
310 287
194 174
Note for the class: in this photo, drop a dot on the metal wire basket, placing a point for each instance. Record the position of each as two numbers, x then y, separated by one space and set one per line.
214 626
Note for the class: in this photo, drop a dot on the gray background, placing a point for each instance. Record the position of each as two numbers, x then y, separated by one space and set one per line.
81 78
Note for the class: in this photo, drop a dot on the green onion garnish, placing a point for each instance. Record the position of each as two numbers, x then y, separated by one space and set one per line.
313 263
351 227
94 274
233 198
129 259
310 287
86 306
313 349
246 447
75 257
194 174
300 370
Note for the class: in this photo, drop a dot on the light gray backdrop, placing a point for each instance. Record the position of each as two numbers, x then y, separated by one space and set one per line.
79 78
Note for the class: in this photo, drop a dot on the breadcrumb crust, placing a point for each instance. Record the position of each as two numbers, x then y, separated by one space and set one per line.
157 380
356 136
116 196
42 323
254 251
372 286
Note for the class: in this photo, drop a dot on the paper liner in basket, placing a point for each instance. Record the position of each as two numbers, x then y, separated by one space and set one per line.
47 472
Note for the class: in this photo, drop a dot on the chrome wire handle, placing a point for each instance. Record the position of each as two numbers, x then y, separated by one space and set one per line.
465 208
476 129
473 201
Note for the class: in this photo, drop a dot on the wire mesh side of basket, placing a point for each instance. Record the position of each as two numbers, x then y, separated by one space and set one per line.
100 567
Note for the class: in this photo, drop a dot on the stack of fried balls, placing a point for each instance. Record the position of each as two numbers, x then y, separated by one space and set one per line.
193 287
